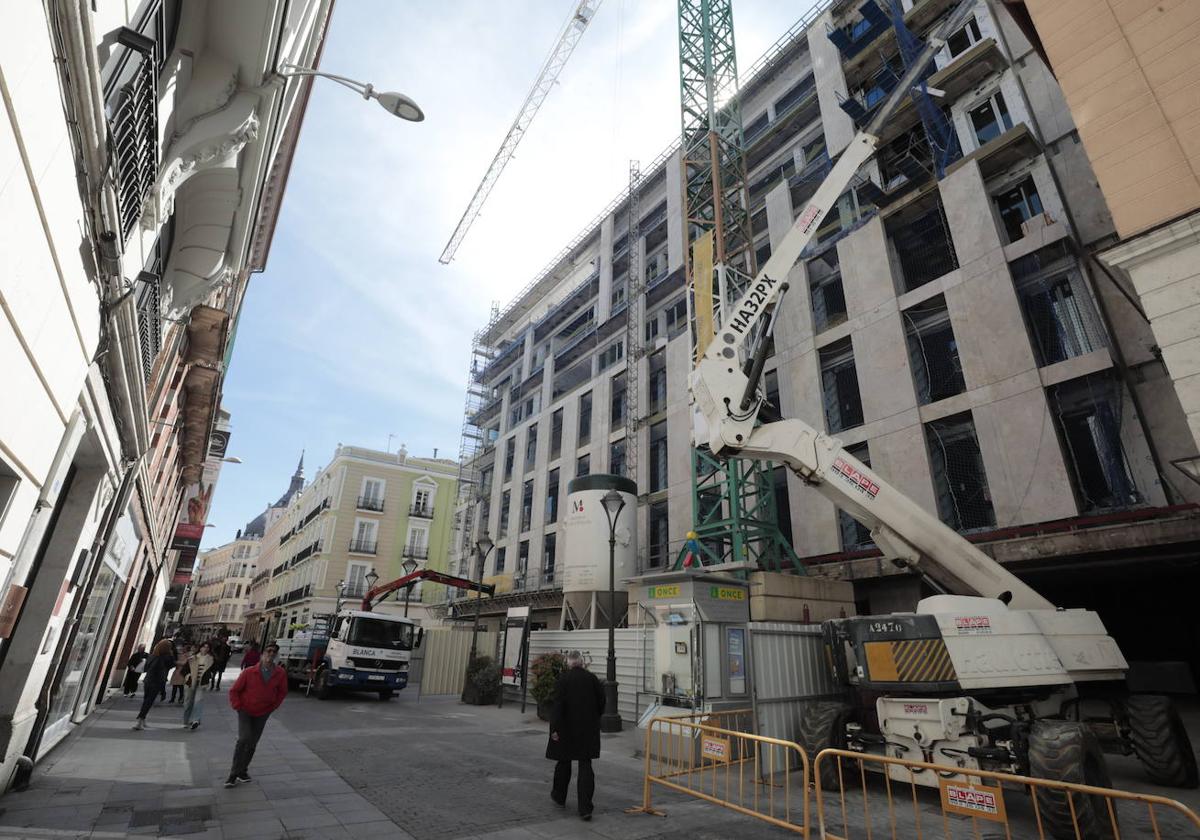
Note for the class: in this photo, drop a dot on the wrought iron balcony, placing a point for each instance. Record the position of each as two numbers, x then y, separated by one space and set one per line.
149 321
421 511
417 552
363 546
133 125
370 503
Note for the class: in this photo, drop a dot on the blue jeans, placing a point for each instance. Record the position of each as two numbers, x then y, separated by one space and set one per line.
193 703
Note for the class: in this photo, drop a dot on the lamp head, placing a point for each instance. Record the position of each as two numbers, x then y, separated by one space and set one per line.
372 578
399 105
613 503
484 544
409 566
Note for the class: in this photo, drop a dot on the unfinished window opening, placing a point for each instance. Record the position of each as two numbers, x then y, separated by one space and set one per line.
920 237
964 39
1088 415
530 447
526 505
1058 309
658 382
677 320
616 404
855 535
510 449
583 466
610 355
658 457
839 383
616 457
548 558
990 118
825 290
505 503
1017 206
659 534
556 430
552 496
783 505
585 419
933 351
960 482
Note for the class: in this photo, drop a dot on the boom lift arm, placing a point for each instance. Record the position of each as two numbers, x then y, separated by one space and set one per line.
384 589
726 398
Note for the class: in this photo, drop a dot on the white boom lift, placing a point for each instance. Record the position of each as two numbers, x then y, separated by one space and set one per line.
989 674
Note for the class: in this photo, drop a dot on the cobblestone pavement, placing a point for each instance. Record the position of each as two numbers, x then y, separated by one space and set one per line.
413 767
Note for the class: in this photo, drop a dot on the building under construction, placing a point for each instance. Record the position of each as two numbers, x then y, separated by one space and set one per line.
949 324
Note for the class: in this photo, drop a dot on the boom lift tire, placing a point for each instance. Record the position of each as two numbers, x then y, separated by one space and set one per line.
1160 741
385 694
1064 751
822 727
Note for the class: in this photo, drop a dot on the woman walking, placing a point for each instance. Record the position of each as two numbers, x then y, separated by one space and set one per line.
156 679
177 676
197 665
133 671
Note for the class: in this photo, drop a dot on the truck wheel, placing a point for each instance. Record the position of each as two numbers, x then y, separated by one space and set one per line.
1160 741
823 726
321 686
1063 751
385 694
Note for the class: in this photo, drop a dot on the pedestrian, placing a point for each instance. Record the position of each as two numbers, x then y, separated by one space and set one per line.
157 666
254 695
198 663
575 732
133 671
180 672
251 656
220 652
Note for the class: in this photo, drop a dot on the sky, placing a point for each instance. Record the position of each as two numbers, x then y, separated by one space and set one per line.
355 332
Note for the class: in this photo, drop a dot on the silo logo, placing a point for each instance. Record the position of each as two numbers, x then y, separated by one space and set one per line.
577 506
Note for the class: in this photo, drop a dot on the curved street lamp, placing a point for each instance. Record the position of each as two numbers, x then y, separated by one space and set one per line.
396 104
610 721
409 566
483 547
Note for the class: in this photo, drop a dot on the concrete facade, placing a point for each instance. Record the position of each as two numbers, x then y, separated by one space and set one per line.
1045 352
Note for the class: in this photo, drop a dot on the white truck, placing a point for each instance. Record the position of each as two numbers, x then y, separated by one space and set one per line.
352 651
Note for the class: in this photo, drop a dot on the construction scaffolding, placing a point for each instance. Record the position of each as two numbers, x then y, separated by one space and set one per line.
634 285
473 444
733 500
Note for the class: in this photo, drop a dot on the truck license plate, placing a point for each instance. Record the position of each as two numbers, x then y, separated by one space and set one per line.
374 677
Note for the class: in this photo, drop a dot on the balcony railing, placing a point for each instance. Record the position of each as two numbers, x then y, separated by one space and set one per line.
533 580
149 322
370 503
421 511
363 546
417 552
133 125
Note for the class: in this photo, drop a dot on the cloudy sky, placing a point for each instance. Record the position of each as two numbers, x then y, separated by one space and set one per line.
355 332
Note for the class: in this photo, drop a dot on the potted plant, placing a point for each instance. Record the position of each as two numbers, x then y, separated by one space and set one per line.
546 669
483 681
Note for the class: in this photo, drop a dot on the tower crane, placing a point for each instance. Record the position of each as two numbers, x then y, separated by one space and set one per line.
568 38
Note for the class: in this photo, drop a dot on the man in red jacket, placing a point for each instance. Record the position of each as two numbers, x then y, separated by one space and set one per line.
255 694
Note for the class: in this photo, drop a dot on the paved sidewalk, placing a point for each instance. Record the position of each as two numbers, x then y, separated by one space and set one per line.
107 781
110 782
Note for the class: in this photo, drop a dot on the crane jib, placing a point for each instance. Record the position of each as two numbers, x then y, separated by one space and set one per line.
752 303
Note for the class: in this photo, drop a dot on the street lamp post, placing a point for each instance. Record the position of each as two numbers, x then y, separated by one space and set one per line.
610 721
409 566
396 104
372 579
483 547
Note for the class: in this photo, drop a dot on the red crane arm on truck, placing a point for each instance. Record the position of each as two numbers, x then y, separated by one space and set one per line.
384 589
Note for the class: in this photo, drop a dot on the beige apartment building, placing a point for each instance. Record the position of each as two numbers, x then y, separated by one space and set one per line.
1130 73
221 588
365 512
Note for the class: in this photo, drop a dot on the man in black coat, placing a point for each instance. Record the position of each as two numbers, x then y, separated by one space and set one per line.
575 732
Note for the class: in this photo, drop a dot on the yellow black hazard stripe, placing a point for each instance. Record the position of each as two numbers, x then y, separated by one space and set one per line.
909 660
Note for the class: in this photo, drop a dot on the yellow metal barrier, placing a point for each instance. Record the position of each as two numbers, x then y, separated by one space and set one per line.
748 773
872 800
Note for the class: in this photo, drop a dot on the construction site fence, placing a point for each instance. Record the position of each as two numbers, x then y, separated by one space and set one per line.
849 795
747 773
875 796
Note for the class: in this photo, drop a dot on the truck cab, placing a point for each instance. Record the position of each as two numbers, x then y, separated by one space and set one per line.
354 650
